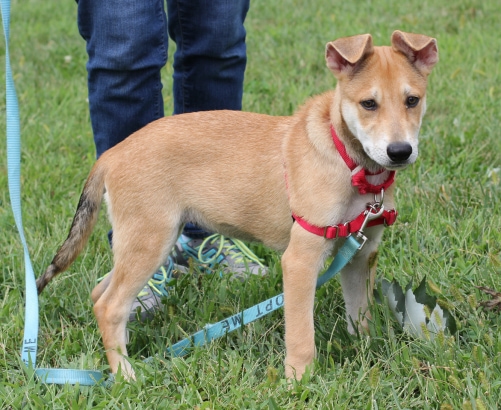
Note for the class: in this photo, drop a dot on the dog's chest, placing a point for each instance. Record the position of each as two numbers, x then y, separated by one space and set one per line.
358 203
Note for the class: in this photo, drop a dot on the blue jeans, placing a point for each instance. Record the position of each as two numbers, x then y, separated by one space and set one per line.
127 44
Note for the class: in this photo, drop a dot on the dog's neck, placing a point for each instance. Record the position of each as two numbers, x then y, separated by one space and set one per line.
360 174
351 143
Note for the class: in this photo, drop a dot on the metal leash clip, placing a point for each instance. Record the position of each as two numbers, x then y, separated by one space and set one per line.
374 211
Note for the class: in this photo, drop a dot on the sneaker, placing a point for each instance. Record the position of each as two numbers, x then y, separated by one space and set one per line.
150 298
216 250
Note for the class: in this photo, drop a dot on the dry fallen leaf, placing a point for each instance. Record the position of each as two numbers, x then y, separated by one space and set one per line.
494 303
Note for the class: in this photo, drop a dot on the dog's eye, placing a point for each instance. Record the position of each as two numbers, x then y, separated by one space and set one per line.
412 101
369 105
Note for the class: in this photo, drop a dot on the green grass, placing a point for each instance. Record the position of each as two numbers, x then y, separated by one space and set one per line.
449 229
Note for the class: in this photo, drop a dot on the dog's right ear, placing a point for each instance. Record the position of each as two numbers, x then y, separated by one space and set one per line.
344 54
421 50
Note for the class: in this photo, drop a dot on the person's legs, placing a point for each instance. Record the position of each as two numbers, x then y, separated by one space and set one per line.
210 58
127 47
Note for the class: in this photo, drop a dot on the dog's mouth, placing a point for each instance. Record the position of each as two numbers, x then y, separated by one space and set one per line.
397 166
392 165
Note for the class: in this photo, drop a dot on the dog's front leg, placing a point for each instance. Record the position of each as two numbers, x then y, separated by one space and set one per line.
301 263
357 282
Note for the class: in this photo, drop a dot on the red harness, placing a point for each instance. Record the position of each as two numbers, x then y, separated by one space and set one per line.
359 180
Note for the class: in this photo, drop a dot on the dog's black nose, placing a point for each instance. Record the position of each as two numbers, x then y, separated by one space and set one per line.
399 151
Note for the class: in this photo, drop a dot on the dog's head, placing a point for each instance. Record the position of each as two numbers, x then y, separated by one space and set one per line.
383 92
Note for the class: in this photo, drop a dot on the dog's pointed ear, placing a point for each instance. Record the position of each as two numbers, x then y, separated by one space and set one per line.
344 54
421 50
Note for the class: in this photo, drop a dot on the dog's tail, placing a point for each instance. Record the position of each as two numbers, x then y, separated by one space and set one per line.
83 222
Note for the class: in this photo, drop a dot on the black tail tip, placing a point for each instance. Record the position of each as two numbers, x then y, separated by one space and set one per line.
40 285
43 280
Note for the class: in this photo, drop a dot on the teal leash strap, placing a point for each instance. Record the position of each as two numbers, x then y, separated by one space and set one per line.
70 376
29 348
30 336
343 257
220 329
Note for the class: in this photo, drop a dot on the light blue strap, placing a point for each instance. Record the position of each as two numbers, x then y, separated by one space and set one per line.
29 348
70 376
344 255
217 330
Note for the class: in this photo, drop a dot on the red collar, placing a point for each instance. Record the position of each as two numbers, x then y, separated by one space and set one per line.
358 174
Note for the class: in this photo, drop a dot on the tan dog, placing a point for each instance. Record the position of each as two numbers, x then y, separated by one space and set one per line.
227 172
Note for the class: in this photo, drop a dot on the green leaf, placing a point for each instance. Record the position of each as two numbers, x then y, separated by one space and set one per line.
395 299
423 297
416 311
415 315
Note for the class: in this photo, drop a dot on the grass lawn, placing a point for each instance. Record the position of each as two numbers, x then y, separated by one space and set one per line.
448 231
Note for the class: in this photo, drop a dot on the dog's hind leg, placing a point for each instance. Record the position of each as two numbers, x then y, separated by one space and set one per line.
138 252
101 287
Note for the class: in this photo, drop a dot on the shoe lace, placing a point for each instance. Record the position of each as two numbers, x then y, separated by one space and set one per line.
157 282
161 277
235 247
